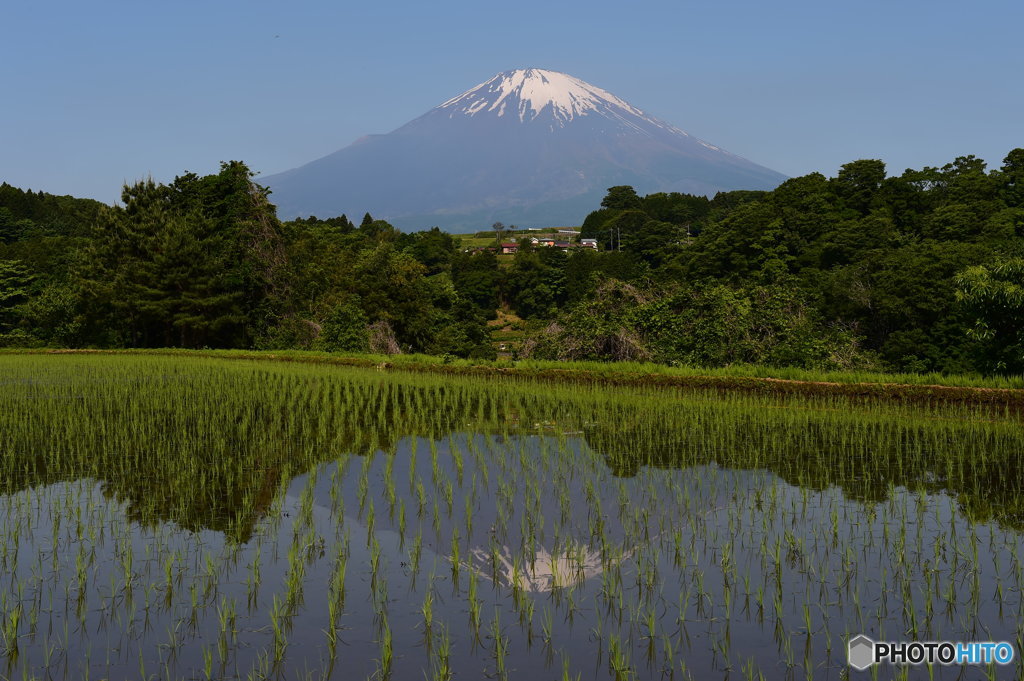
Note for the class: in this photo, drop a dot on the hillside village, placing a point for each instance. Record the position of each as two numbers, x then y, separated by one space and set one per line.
564 238
507 329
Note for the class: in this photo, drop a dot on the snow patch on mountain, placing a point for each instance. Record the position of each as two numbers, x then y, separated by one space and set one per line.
555 99
531 91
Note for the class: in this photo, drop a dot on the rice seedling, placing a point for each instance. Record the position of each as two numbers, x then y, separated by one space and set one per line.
442 663
501 646
386 652
428 611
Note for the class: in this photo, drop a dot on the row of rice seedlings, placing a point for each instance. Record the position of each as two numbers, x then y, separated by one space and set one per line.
679 543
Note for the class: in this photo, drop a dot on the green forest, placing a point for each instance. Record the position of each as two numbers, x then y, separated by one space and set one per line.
920 272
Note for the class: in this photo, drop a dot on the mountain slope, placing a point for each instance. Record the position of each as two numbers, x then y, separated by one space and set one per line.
529 147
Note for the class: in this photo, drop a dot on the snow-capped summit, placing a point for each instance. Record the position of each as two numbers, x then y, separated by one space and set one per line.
528 146
527 93
554 99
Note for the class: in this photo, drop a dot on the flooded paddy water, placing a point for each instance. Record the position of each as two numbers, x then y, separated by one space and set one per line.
189 518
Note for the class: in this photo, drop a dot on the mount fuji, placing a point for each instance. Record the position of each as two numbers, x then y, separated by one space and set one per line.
528 147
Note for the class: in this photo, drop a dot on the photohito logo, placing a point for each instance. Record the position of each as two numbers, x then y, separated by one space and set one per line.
862 652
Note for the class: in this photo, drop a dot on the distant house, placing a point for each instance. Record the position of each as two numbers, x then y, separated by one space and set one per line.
509 248
543 241
564 245
589 243
568 231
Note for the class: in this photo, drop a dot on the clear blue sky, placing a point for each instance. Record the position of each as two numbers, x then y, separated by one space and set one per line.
99 93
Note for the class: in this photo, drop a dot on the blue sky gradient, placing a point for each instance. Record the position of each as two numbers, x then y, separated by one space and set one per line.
97 94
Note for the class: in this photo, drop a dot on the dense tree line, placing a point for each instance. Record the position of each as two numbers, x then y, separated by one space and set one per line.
205 262
918 272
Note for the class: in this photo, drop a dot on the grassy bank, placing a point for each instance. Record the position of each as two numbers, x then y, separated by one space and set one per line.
973 389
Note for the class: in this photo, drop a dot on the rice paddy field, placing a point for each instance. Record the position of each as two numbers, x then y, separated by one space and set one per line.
205 518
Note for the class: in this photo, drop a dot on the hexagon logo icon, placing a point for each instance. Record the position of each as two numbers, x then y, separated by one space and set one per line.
860 652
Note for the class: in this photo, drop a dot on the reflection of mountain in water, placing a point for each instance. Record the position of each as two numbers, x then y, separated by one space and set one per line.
543 571
537 570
